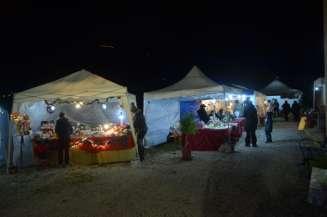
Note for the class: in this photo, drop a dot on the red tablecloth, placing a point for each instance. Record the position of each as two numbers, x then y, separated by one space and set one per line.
207 139
212 139
104 143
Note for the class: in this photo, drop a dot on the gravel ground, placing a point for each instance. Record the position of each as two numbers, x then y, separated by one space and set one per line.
254 182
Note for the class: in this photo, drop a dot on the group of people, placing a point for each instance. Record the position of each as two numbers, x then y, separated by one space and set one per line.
251 118
295 109
64 131
205 117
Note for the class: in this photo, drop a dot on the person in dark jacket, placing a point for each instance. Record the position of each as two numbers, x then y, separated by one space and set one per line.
140 128
203 115
251 123
269 122
276 108
63 130
296 111
220 114
286 109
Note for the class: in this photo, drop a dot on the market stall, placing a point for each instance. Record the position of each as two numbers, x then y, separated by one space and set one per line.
98 109
164 108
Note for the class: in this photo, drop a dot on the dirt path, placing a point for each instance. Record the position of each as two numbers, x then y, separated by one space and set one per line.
263 181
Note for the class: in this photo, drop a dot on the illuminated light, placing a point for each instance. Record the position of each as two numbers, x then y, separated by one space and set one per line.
231 104
106 126
81 103
104 106
121 117
316 88
78 106
51 108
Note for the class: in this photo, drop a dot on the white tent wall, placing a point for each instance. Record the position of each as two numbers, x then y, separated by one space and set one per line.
160 115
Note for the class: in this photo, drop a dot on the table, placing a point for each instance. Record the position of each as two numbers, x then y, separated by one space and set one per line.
207 139
109 149
212 139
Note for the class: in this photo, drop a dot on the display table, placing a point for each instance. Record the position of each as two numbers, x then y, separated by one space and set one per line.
207 139
119 152
211 139
105 149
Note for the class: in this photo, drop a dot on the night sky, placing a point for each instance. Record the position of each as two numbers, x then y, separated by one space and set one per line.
156 44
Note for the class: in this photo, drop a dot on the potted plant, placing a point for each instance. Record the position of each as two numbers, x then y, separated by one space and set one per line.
187 127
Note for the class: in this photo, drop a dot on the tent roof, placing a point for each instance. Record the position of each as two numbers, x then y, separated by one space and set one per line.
278 88
79 85
248 90
195 83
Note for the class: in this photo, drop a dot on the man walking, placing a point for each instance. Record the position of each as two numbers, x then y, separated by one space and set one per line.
251 123
63 131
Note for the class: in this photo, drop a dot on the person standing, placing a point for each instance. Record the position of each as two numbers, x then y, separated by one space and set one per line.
203 115
295 111
276 108
269 122
140 128
251 123
63 130
286 109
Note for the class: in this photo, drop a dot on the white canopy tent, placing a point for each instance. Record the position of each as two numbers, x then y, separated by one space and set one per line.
162 107
80 86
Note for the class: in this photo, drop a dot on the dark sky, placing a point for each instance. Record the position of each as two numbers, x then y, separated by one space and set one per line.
245 42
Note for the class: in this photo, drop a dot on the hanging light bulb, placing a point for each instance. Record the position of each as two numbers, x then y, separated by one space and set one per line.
104 106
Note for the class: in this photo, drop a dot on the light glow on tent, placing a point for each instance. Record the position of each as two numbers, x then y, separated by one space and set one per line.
106 126
78 106
104 106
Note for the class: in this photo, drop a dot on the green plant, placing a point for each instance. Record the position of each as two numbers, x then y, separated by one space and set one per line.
188 125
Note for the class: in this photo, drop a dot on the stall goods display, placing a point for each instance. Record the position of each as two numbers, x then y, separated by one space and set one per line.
47 130
215 123
22 122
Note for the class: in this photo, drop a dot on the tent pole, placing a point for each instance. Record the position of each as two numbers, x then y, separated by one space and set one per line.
127 106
